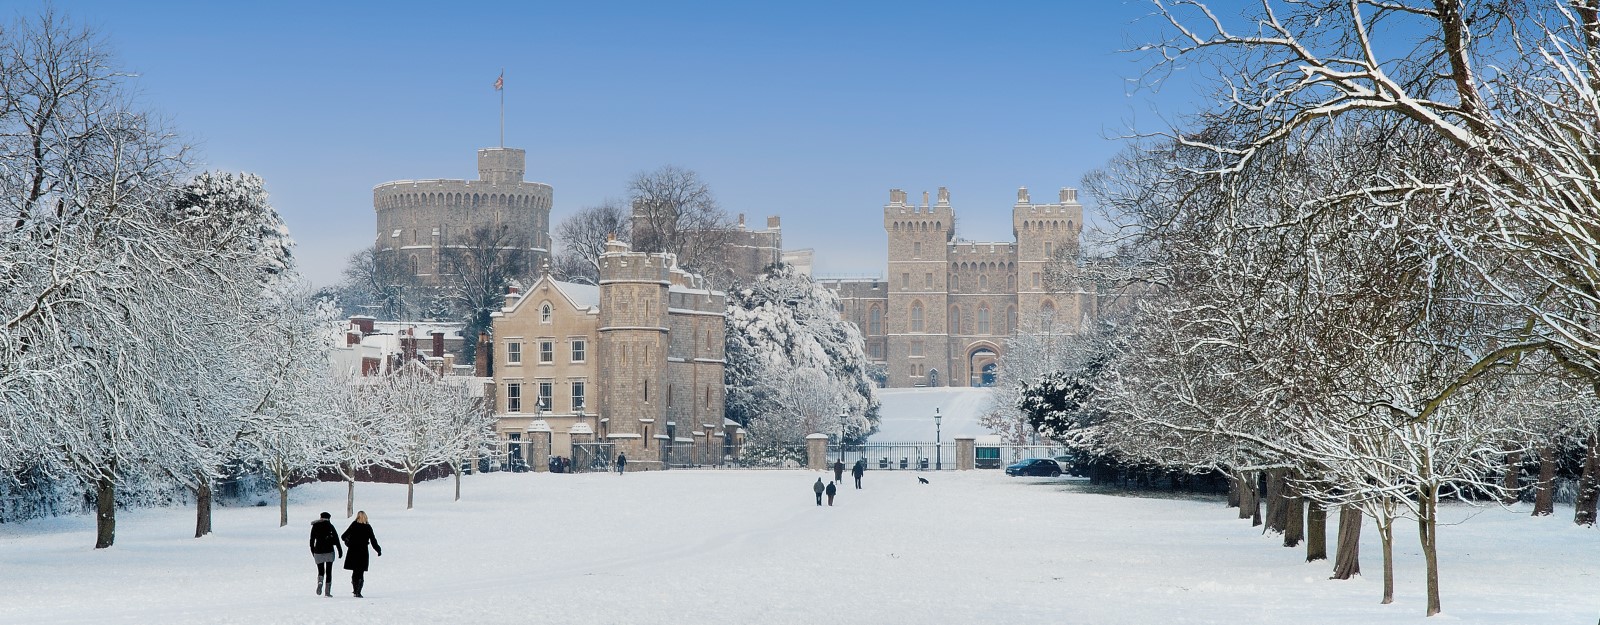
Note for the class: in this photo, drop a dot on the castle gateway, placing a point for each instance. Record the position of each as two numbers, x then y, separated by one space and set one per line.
942 314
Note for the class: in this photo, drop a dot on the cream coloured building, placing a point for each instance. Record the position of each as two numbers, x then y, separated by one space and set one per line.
636 362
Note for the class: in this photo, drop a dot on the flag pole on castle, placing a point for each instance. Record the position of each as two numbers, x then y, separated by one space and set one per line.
500 85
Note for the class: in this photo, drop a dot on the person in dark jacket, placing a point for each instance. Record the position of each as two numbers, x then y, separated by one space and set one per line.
838 470
831 491
622 463
818 488
859 470
324 542
356 538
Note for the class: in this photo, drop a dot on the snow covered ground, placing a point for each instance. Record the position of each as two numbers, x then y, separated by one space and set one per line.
907 413
747 547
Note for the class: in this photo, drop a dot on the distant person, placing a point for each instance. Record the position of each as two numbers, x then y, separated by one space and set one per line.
818 488
859 470
324 543
622 463
356 538
831 492
838 470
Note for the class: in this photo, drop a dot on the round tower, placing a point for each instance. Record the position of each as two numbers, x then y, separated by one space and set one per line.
417 219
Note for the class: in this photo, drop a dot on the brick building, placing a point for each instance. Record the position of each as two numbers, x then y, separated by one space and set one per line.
636 361
941 315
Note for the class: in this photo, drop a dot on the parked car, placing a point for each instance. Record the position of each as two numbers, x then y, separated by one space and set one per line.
1037 467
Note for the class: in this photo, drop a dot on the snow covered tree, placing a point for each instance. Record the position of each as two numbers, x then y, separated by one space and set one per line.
790 356
428 422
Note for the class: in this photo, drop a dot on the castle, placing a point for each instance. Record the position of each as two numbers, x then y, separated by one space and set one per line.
635 362
942 314
419 220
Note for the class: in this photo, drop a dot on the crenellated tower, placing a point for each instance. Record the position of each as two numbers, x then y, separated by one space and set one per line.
918 295
1047 241
633 341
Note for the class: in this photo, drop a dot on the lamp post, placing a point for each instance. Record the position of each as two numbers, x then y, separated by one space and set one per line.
938 442
843 414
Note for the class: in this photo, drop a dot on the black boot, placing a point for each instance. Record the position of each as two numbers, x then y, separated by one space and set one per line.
358 586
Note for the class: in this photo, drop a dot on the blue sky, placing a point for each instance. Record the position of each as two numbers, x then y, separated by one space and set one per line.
810 110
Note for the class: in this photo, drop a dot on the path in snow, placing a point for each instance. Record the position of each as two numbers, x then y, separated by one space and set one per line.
743 547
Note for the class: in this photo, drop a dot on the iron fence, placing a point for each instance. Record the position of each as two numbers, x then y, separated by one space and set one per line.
593 457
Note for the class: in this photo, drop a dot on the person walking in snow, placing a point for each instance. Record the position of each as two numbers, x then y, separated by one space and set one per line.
324 542
859 470
831 491
622 463
838 470
818 488
356 538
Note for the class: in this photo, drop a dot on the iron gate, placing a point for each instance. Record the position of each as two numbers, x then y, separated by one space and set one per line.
593 457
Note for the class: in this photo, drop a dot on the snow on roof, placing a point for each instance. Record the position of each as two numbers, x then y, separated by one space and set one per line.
582 295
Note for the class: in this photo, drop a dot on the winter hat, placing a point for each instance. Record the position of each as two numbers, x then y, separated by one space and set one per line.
326 515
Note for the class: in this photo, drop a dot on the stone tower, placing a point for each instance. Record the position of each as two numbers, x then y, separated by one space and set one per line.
1046 234
918 293
633 339
419 219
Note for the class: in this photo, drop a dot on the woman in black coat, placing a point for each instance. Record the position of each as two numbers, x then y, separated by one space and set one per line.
356 538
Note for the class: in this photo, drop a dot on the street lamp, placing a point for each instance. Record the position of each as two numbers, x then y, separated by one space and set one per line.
938 440
843 414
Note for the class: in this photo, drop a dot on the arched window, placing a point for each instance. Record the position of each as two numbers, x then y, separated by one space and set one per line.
416 266
544 313
1011 320
955 320
875 321
1011 282
983 282
955 282
916 316
983 319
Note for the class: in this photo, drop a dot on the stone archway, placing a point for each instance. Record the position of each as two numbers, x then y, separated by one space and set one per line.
983 363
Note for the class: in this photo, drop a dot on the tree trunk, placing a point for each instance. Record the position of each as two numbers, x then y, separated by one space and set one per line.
1294 513
1386 538
1544 503
457 470
105 518
1233 491
1347 557
411 488
283 504
1428 529
1277 518
1247 497
202 505
1512 482
1588 487
1316 532
1258 486
350 498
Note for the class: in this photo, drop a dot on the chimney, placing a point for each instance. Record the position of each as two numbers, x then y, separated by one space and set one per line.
512 296
362 322
485 360
438 344
741 221
449 363
774 222
353 337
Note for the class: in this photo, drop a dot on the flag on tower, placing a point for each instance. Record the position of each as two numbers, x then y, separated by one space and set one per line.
500 83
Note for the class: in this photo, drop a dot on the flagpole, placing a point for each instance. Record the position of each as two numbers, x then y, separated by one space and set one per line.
502 108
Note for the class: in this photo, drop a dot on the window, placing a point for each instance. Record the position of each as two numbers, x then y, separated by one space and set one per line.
514 397
905 281
1011 281
916 250
955 320
916 348
544 313
875 321
983 282
983 319
579 349
916 316
513 353
547 352
647 391
955 282
577 395
1011 320
1036 279
1048 249
546 392
927 280
708 398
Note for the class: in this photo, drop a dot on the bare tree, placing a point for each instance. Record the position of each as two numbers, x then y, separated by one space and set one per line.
477 274
674 211
583 237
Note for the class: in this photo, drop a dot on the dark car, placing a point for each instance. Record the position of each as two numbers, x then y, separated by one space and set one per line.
1037 467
